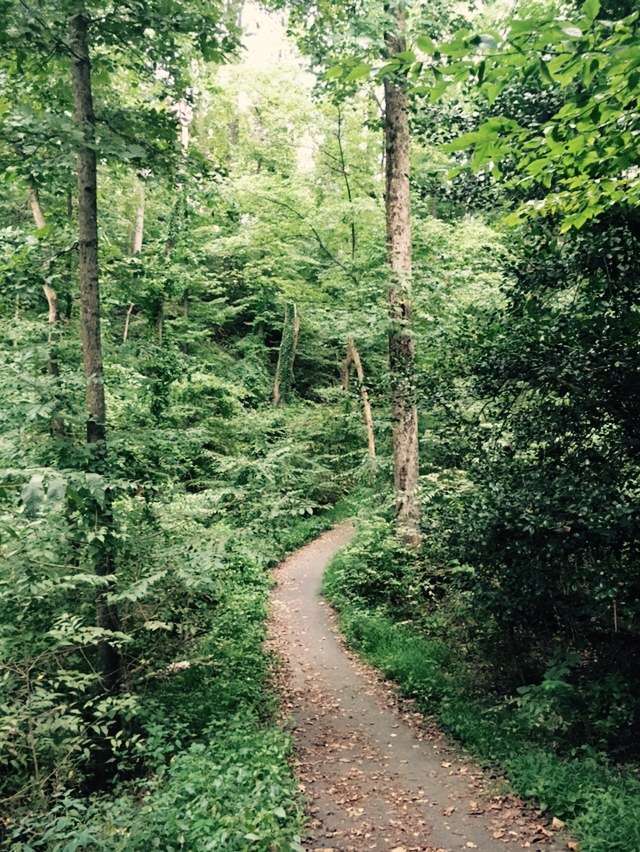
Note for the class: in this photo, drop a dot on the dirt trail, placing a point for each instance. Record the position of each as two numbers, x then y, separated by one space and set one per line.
374 775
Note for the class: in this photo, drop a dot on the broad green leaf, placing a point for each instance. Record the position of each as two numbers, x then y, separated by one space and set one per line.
591 8
360 71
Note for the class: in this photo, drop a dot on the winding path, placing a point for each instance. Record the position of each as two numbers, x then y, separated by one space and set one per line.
373 774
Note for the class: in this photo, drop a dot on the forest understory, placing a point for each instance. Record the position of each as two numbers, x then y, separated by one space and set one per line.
268 266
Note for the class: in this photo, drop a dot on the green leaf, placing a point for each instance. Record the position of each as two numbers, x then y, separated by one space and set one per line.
591 8
360 71
334 72
545 71
425 44
438 90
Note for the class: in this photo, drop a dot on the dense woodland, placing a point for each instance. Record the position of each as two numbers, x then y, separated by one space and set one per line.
392 276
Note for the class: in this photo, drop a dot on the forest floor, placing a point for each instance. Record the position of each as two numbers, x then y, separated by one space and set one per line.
375 773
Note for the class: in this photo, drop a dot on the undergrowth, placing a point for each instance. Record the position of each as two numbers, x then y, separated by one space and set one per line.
209 768
599 801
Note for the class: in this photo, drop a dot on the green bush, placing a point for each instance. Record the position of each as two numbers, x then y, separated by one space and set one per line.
232 793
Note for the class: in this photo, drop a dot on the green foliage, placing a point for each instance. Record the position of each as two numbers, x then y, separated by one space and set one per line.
582 154
233 792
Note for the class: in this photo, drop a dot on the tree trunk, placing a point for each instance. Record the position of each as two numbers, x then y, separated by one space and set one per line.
57 423
127 322
36 209
52 302
86 167
283 383
185 117
136 248
401 343
138 230
347 182
353 357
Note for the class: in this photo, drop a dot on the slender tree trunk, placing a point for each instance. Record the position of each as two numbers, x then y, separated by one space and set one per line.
136 248
283 383
52 301
401 343
353 357
185 117
57 423
36 209
86 167
127 322
347 182
138 230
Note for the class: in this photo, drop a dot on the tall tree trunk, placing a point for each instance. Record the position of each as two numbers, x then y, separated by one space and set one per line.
138 229
127 322
401 343
353 357
136 247
56 424
347 182
36 209
52 301
283 383
184 111
86 167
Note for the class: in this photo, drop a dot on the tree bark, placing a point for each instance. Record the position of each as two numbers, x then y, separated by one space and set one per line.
136 248
353 357
347 182
127 322
401 342
283 383
36 209
138 230
56 424
86 168
52 301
